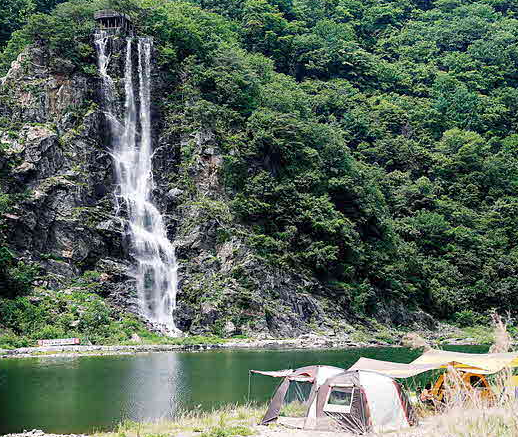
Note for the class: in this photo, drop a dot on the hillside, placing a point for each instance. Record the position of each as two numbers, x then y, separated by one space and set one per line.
318 164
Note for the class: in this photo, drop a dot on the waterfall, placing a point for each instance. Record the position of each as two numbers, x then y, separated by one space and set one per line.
156 268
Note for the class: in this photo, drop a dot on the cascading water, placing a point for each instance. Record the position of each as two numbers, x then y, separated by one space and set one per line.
156 267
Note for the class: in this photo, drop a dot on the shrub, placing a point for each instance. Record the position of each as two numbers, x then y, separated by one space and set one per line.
21 316
49 332
466 318
12 341
16 277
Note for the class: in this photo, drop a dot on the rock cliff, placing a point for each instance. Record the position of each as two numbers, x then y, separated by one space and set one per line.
54 157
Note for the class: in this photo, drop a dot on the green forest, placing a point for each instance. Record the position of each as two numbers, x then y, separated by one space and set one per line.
370 144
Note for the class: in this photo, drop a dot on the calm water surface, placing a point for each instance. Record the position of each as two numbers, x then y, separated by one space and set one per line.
81 394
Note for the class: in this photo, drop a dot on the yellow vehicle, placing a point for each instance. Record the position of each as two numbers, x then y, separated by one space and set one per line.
472 386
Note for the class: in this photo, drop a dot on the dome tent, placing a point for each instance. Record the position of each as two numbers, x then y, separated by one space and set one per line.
355 401
361 401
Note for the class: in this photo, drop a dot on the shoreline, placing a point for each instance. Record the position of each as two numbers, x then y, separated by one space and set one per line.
305 342
78 351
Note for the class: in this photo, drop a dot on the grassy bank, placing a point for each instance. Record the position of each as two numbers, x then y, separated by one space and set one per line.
242 421
464 413
475 422
231 420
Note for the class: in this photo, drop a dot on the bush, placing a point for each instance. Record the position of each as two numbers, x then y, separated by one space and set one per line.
22 316
49 332
12 341
81 313
16 277
467 318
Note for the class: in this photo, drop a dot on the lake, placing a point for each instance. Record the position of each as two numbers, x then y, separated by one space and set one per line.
82 394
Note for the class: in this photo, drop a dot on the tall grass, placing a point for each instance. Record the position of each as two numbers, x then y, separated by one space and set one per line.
502 342
465 413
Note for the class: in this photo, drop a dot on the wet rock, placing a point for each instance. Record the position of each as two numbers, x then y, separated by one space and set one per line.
174 194
184 315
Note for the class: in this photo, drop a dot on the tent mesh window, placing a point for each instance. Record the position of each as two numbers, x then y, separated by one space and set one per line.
345 410
296 400
341 397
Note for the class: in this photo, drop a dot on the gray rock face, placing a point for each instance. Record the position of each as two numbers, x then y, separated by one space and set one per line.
60 170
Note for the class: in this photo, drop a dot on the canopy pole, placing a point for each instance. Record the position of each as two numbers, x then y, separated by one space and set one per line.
249 382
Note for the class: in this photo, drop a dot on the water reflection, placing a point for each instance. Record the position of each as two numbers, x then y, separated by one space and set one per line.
155 387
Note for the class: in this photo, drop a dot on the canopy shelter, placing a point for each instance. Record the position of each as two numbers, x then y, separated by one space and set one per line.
483 364
477 363
394 370
354 401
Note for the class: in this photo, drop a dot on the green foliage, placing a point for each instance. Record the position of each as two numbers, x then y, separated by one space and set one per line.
182 30
72 313
49 332
65 33
387 161
469 318
12 341
16 277
13 14
76 312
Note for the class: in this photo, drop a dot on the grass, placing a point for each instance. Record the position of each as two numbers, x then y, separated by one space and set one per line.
293 409
472 422
228 431
466 414
228 421
468 419
480 334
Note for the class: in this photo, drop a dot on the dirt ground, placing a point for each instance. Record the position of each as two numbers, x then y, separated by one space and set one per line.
282 431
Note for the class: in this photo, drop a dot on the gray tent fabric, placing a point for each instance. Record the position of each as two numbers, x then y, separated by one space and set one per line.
306 374
276 404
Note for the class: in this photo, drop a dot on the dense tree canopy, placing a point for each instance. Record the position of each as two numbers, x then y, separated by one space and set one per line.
370 143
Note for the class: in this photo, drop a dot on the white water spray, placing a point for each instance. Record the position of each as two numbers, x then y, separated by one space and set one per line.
156 267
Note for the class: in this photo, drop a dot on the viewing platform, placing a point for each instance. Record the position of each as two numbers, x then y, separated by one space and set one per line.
113 21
